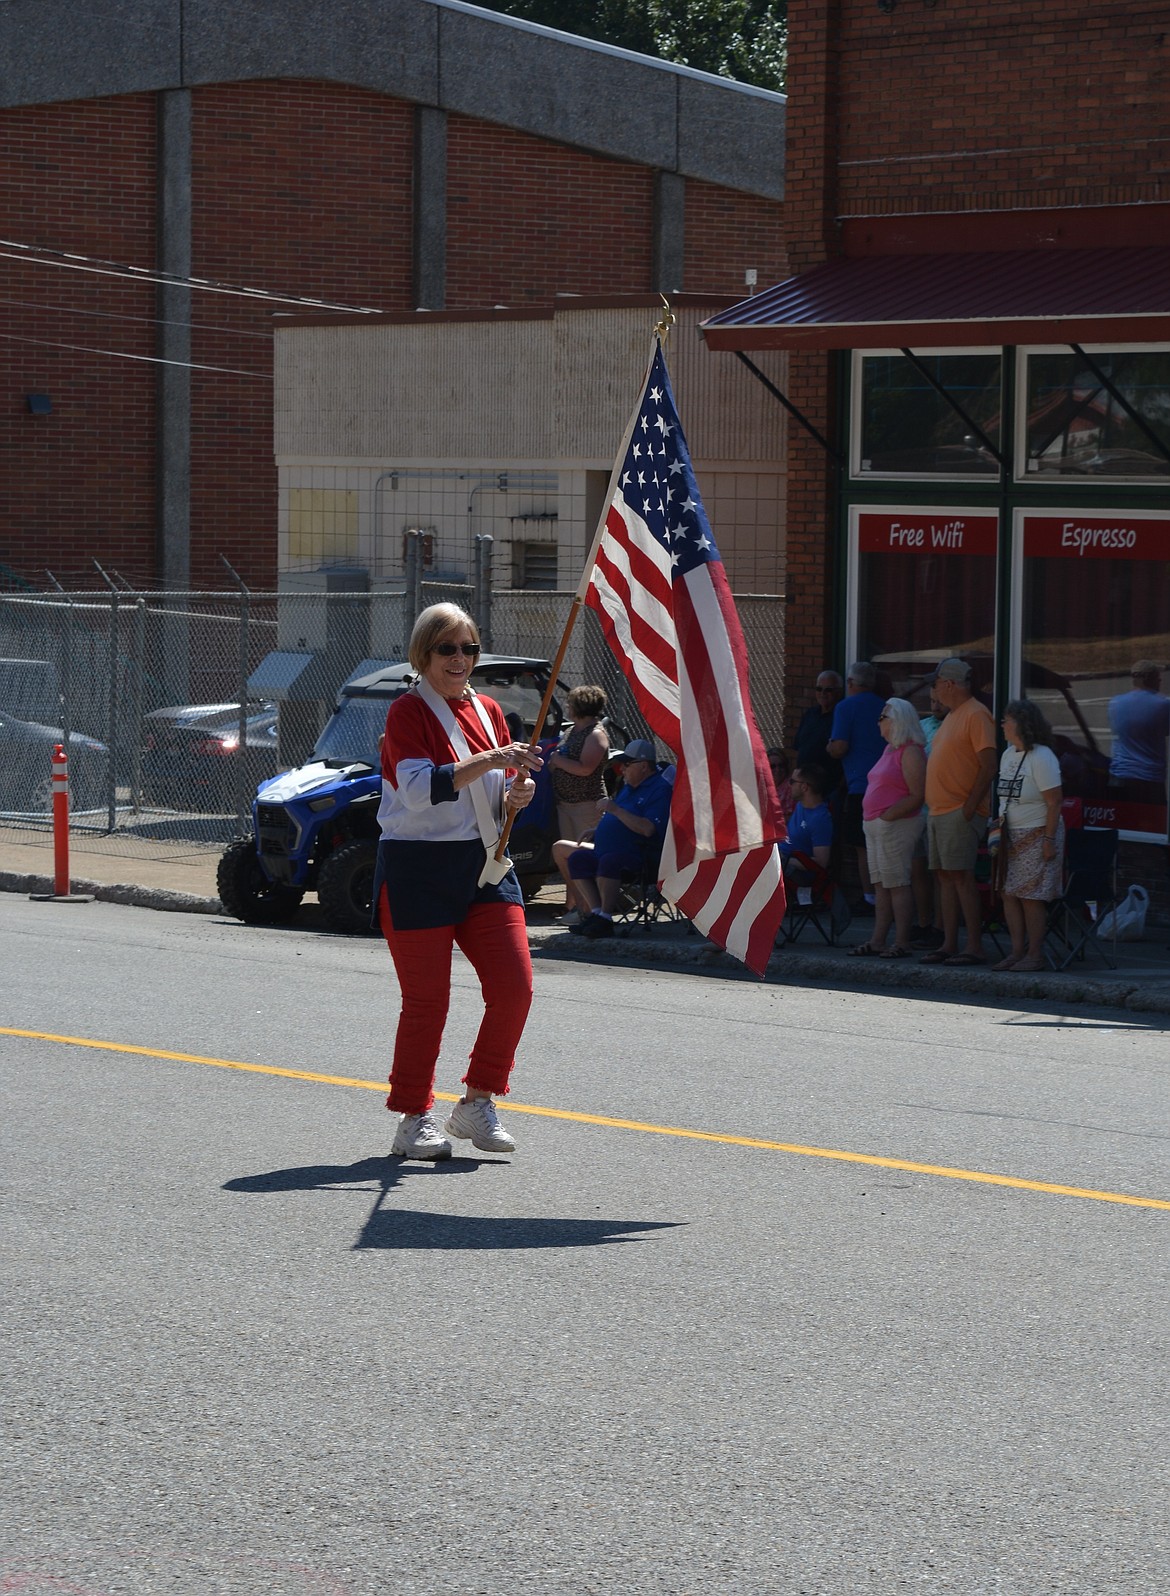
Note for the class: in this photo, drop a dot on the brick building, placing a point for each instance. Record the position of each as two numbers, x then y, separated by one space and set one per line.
978 326
394 155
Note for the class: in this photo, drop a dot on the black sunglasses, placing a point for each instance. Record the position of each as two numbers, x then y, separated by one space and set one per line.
470 650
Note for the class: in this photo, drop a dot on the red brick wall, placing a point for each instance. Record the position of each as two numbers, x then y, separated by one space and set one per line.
300 188
528 219
949 108
996 105
810 211
79 482
726 233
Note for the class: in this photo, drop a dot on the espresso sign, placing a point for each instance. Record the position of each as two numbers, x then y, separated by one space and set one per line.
926 532
1072 535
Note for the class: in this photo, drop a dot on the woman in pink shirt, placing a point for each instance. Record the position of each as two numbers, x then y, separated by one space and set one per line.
892 817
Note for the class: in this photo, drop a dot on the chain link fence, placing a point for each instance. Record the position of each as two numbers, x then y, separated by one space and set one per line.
174 706
531 623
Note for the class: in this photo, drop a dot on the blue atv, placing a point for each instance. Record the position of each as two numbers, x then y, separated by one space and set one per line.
315 829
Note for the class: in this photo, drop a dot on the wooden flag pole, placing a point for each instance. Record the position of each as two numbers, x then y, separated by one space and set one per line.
543 715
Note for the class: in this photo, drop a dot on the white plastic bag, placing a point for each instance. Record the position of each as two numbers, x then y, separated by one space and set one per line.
1127 921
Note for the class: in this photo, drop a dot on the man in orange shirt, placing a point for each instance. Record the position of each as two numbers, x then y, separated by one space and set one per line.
959 773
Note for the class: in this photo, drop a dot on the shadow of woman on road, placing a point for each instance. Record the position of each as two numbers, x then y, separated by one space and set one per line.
391 1228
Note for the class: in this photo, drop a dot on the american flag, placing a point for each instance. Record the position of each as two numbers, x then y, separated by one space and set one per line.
660 590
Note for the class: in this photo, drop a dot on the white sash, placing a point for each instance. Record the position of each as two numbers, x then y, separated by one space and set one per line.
494 869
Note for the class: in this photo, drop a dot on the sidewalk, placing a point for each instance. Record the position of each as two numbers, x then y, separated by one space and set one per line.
180 876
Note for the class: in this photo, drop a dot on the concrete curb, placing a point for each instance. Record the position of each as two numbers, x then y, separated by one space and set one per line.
789 966
136 897
792 965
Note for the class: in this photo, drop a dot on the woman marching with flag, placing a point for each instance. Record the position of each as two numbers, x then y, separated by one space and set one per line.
450 771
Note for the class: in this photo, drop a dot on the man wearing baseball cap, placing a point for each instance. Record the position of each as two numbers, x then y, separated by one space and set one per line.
629 834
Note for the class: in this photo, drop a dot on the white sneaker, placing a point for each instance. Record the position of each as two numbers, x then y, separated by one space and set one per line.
418 1136
570 917
476 1122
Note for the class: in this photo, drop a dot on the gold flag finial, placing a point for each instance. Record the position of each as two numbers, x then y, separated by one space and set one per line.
663 326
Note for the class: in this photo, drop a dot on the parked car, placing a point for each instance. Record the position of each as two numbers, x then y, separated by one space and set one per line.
315 829
191 754
26 767
30 689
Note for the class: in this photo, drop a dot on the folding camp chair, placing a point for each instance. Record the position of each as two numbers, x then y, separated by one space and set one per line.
1090 889
640 902
814 899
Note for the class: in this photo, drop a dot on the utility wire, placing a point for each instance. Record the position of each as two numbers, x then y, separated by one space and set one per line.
149 321
121 354
12 249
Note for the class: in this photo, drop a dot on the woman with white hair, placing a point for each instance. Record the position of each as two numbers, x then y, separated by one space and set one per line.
450 772
892 819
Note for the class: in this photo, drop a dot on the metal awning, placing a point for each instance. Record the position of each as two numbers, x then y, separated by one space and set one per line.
1027 296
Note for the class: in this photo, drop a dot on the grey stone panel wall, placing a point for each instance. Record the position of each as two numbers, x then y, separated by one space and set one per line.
670 200
735 140
559 89
430 208
436 53
390 46
54 50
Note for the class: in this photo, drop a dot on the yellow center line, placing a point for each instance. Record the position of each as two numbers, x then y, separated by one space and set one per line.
796 1148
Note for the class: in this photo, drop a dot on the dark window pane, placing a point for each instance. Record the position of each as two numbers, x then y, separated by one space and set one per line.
919 601
1076 427
909 429
1086 622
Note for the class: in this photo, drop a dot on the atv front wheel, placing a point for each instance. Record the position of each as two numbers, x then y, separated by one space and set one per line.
246 892
345 886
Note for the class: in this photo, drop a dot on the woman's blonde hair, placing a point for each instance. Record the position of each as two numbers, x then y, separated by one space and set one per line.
431 627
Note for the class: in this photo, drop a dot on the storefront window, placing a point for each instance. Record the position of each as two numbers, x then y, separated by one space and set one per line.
906 428
1094 638
1076 427
925 588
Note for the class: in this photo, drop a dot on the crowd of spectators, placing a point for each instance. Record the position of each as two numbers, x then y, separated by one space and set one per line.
909 794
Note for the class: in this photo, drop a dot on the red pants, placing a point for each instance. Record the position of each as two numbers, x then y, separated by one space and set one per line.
494 939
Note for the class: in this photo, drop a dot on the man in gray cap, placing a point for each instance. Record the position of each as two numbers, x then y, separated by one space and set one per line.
628 836
962 765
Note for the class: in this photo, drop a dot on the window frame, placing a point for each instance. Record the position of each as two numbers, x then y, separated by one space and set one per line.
1071 484
856 398
1020 515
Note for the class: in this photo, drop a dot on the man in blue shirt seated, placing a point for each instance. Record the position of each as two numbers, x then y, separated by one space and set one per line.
810 831
629 833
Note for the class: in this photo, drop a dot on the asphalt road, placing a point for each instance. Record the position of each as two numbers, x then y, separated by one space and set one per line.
246 1352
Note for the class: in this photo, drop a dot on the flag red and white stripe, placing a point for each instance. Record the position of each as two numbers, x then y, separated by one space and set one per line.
660 589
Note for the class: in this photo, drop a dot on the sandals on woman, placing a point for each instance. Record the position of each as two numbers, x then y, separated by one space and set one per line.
896 952
864 950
